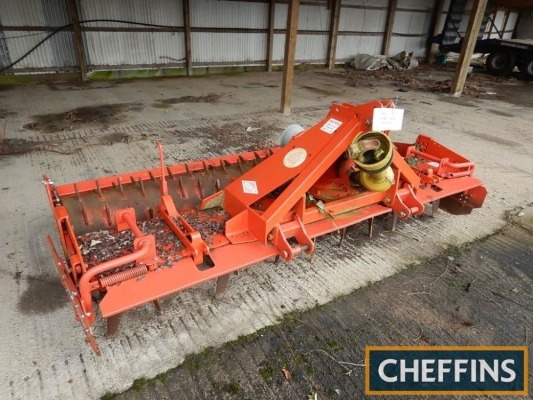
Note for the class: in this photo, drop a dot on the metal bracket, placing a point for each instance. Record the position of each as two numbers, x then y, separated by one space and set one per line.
279 239
405 204
74 296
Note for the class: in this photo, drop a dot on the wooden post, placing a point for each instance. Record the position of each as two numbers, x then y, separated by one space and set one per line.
391 12
469 43
270 37
290 50
333 31
187 29
434 30
78 38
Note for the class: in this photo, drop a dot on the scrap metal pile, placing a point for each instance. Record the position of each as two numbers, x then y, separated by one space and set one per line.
134 238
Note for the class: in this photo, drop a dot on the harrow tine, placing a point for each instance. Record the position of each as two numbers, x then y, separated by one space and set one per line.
276 260
206 168
182 190
257 157
158 308
108 215
370 227
240 165
141 184
188 169
222 164
199 184
85 216
112 325
99 190
222 284
312 255
120 187
77 192
343 235
170 173
394 221
435 207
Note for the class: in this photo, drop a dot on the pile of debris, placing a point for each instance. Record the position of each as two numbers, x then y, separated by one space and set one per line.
399 62
407 74
476 85
98 247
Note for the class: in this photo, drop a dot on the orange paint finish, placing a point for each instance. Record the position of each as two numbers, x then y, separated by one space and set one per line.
225 214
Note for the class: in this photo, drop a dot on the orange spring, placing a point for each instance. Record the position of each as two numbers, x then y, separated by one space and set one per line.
123 275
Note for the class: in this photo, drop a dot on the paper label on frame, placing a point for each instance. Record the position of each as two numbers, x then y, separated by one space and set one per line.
331 125
387 119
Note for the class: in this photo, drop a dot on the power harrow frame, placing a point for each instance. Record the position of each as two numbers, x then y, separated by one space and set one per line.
224 214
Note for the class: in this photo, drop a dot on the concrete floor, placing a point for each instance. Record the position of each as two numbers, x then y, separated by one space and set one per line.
42 351
446 300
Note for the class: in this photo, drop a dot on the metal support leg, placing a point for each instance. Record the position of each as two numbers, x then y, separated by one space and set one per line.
312 255
370 227
222 284
158 308
112 325
394 221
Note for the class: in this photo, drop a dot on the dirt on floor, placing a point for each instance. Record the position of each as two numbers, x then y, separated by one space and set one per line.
429 78
67 146
208 98
103 115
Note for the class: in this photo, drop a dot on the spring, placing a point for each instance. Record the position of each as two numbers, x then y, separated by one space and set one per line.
123 275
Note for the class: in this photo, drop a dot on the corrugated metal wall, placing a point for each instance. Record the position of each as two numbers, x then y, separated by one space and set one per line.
309 47
211 48
361 29
411 28
224 32
58 51
132 48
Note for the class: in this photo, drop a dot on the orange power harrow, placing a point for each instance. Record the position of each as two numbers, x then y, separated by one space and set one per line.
134 238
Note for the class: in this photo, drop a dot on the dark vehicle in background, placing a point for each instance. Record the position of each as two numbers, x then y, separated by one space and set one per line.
503 54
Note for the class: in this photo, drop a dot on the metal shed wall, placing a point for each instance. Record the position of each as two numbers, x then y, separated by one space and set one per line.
210 48
361 27
310 47
229 14
105 49
243 48
58 51
411 28
224 32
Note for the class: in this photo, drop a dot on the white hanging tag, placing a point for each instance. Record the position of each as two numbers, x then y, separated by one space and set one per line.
387 119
